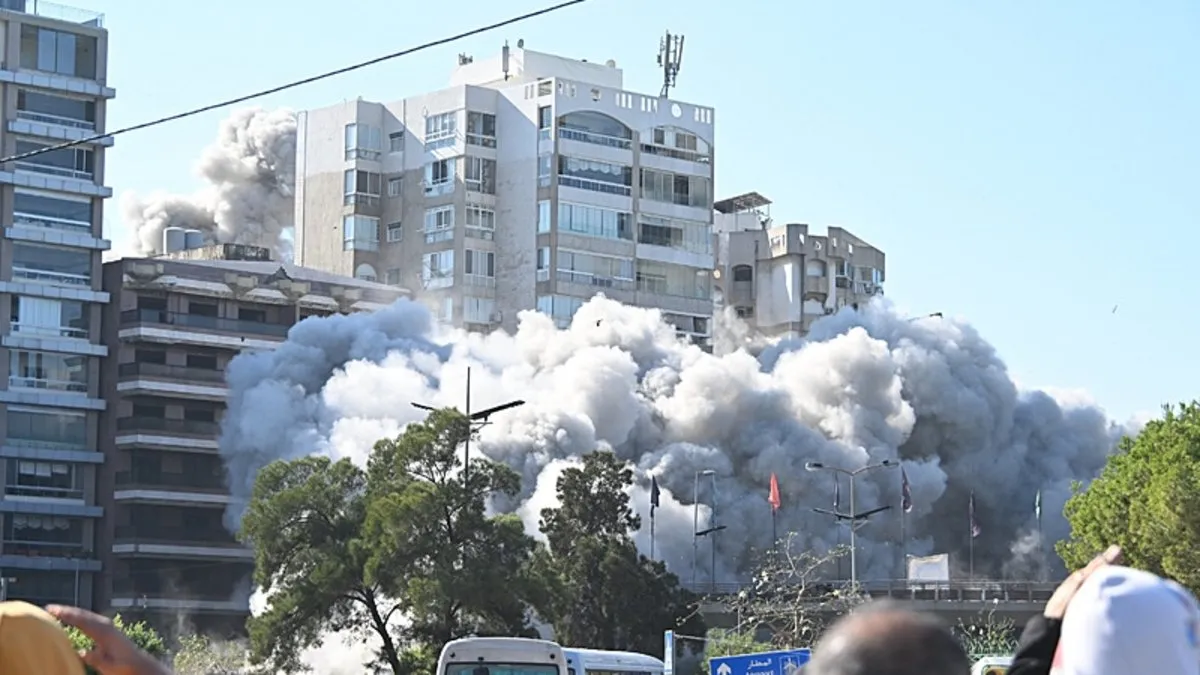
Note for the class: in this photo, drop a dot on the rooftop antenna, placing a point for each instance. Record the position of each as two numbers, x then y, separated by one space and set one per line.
670 55
504 60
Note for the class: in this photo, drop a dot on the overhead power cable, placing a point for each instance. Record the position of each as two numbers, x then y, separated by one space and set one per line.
297 83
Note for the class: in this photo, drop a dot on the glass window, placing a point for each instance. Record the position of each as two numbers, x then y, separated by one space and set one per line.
595 128
47 370
395 232
441 130
52 265
481 129
678 280
480 175
41 209
50 317
360 233
688 235
480 263
437 270
47 427
363 141
396 141
543 224
58 52
76 162
663 186
54 109
589 174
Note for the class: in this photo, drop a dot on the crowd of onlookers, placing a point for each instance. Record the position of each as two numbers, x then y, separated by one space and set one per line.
1105 619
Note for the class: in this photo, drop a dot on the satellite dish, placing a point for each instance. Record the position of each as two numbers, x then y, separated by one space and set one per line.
521 44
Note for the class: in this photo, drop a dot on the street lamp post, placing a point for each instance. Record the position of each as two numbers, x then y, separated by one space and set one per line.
712 529
855 518
476 420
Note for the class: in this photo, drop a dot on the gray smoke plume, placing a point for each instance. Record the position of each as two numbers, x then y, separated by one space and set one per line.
866 386
250 174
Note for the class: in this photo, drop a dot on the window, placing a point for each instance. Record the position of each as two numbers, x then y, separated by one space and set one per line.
43 536
47 427
52 265
365 272
481 129
480 175
396 141
588 174
202 308
201 361
439 177
575 267
395 233
559 307
593 221
395 186
48 317
392 277
46 209
677 144
47 371
363 141
437 270
677 280
58 52
36 106
441 130
360 233
479 267
743 273
199 414
478 310
545 170
543 223
687 235
77 162
545 117
362 187
543 263
439 224
152 356
481 222
596 128
252 314
662 186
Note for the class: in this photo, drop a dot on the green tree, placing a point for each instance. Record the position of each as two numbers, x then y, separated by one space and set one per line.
720 643
460 571
604 594
988 635
1147 499
140 633
342 549
198 655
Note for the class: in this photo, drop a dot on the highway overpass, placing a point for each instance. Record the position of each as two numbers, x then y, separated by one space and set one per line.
954 600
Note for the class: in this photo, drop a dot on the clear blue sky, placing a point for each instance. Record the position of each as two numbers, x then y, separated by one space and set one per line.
1026 165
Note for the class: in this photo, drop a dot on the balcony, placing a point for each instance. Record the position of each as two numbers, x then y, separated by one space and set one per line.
55 11
42 384
210 323
158 480
179 373
594 138
43 276
46 549
183 541
43 492
177 426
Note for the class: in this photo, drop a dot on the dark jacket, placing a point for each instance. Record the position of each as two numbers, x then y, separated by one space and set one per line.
1035 652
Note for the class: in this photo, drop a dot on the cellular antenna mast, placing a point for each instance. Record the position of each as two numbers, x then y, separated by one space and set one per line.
670 55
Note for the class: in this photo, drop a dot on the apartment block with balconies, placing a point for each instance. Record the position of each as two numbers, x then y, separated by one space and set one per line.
174 324
53 63
533 181
782 278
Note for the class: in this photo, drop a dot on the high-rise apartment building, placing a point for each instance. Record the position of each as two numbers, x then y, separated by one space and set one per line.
533 181
54 80
173 325
780 278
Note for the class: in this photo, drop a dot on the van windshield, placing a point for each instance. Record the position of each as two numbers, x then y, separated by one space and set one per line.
487 668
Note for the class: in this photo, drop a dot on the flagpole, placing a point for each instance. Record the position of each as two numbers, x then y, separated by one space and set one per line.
903 542
652 533
774 530
971 537
1041 541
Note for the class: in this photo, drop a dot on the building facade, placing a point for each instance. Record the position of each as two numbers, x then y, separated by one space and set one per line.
781 278
53 63
532 182
173 326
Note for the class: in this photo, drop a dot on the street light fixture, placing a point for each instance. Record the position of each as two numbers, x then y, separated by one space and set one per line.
477 420
856 519
713 527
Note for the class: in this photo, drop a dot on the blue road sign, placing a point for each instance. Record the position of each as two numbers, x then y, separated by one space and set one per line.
766 663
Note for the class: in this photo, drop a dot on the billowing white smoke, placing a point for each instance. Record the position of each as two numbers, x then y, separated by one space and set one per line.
866 386
250 174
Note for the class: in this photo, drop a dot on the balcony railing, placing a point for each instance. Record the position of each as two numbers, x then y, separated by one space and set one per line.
48 443
191 481
57 120
52 10
594 185
44 492
180 536
49 331
34 166
151 592
594 138
46 549
69 386
49 222
978 590
183 373
179 319
168 425
22 273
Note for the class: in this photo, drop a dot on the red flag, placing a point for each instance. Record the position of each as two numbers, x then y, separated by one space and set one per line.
773 497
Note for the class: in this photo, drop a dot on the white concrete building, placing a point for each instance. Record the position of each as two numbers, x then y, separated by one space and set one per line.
780 278
532 181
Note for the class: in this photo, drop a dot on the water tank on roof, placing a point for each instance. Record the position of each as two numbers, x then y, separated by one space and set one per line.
174 239
193 239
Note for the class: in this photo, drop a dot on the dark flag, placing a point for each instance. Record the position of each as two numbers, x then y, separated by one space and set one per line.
837 493
654 494
905 492
971 513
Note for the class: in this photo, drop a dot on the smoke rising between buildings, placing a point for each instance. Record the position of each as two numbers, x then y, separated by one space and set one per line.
864 387
249 175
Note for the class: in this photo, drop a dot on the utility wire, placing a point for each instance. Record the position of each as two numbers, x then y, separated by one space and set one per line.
297 83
